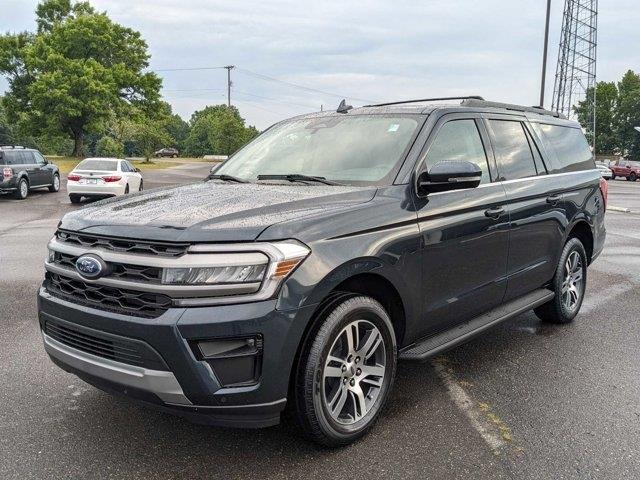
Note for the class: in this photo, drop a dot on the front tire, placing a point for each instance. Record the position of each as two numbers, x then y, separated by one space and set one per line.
126 189
633 177
55 186
141 186
569 285
346 371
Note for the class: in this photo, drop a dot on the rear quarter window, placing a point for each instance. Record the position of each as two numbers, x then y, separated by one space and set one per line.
567 148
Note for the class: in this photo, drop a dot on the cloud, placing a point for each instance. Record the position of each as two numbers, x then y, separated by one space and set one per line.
370 49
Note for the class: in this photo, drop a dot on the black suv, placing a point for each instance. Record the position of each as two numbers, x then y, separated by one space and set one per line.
22 169
167 152
329 248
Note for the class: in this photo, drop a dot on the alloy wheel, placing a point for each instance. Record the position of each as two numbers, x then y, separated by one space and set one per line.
24 189
573 285
354 372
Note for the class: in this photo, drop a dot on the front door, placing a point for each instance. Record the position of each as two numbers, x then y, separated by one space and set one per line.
465 233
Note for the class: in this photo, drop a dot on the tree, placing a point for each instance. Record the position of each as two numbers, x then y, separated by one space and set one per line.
219 130
109 147
78 70
628 114
606 104
6 132
149 138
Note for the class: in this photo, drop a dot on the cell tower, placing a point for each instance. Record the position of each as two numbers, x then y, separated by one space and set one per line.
576 69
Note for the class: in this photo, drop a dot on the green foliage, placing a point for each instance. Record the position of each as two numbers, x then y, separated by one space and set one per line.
6 132
218 130
78 71
109 147
606 103
617 113
149 138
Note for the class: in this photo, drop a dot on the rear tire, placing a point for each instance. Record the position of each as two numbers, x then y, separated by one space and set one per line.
346 371
633 177
141 186
55 187
75 198
569 285
22 191
126 189
613 176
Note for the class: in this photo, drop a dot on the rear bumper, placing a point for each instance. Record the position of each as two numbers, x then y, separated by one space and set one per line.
7 185
179 383
95 190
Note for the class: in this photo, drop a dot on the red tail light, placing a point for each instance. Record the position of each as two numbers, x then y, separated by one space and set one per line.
604 188
112 178
73 177
7 172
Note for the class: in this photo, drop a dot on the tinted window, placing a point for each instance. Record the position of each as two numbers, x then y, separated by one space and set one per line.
27 158
93 164
537 157
124 167
512 150
459 140
39 158
566 147
11 158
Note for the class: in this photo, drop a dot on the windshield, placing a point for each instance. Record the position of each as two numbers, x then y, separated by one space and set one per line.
90 164
345 149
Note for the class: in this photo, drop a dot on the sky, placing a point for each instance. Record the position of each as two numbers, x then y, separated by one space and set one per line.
366 50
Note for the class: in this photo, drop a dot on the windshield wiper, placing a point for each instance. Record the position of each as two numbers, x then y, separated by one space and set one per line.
226 178
297 177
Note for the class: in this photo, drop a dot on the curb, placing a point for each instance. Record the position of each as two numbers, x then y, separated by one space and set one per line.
619 209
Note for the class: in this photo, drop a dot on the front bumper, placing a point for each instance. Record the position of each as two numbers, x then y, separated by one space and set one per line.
182 384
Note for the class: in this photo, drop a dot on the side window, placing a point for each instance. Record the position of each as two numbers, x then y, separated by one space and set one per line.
567 147
511 147
459 140
124 167
537 157
39 158
27 158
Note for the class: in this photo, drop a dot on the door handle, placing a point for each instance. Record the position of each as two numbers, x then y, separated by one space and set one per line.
494 212
554 199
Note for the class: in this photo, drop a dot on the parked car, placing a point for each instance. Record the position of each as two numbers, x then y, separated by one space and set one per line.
167 152
626 168
605 171
324 251
23 169
102 178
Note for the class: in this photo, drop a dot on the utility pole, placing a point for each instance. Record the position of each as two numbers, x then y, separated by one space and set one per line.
544 54
229 68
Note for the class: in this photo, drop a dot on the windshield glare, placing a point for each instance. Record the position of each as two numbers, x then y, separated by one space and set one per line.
349 149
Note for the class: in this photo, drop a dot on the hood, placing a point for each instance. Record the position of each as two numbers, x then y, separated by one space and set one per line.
211 211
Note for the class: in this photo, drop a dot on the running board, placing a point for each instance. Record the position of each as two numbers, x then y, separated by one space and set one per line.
424 349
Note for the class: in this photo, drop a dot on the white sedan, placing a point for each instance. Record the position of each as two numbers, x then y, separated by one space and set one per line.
103 177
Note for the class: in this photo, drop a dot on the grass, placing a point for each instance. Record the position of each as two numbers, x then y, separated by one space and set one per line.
66 164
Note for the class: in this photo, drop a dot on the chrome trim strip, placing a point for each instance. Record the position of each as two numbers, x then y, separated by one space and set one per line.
171 290
163 384
231 257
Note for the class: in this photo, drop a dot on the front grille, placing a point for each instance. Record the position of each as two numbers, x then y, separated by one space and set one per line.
105 345
121 271
122 245
118 300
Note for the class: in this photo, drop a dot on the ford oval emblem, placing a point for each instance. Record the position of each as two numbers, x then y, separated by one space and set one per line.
90 266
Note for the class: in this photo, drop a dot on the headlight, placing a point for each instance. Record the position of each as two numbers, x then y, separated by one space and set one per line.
214 275
264 265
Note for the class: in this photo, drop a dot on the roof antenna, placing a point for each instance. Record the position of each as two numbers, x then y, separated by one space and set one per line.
343 107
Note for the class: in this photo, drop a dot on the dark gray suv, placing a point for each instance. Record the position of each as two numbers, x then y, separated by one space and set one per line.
329 248
23 169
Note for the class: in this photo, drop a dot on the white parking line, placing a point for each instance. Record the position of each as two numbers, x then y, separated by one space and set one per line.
469 408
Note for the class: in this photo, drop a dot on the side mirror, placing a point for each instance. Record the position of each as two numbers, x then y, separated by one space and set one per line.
138 170
448 175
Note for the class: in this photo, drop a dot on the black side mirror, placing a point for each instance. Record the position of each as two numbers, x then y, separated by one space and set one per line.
138 170
448 175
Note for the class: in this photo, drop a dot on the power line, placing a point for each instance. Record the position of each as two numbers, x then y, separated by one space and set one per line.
239 92
302 87
186 69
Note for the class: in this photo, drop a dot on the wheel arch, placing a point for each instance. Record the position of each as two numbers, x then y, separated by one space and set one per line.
581 230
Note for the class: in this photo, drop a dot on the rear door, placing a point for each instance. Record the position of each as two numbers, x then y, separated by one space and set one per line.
464 232
535 205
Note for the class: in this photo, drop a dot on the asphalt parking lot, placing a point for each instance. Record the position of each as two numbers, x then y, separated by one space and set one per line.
526 400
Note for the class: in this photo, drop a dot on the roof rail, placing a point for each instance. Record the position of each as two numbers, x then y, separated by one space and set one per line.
11 146
474 102
420 100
